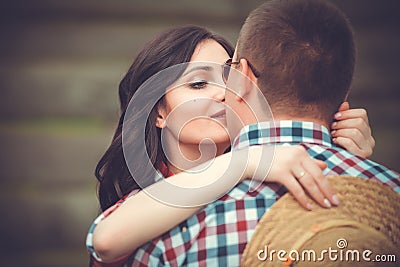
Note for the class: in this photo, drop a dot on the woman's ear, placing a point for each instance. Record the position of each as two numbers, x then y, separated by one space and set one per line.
161 117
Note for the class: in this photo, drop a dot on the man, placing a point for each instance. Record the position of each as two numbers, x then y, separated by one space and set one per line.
301 55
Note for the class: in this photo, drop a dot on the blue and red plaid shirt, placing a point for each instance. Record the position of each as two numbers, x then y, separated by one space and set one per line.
217 235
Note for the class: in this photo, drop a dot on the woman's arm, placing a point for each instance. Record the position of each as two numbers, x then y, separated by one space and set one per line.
142 218
352 131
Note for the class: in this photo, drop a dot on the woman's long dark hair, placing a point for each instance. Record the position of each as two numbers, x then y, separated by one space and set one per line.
172 47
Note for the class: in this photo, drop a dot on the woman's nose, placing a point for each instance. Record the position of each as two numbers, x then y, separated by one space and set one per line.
220 93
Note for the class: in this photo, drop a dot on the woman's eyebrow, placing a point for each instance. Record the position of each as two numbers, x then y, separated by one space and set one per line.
204 68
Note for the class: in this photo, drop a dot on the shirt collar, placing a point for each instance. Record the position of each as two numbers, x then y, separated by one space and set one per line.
285 131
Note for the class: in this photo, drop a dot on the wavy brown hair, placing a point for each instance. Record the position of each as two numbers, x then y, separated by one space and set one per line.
170 48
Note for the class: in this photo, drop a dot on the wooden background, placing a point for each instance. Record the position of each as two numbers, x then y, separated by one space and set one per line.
61 62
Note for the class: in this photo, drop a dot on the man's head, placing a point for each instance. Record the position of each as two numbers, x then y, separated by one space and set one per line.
304 53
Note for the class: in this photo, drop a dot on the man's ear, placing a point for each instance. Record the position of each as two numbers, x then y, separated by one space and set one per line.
249 77
161 117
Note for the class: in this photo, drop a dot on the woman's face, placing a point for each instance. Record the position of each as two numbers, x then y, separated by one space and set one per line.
194 107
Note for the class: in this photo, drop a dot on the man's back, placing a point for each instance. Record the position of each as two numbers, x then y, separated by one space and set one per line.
218 234
301 55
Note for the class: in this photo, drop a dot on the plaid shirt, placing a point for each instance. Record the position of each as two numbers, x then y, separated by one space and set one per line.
218 234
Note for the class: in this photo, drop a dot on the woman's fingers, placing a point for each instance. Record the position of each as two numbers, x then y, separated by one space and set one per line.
317 184
321 164
353 124
353 119
309 184
351 114
299 173
297 191
344 106
308 175
354 141
322 182
354 135
350 146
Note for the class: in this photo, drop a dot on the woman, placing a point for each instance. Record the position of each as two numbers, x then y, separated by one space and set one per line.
127 226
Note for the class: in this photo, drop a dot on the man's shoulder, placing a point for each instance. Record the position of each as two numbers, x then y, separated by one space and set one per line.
341 161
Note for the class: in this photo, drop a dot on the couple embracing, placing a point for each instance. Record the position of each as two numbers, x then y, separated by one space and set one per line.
197 157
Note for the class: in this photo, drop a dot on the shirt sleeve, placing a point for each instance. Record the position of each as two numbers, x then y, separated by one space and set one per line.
95 260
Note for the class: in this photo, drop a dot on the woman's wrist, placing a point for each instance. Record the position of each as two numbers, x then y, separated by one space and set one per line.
253 158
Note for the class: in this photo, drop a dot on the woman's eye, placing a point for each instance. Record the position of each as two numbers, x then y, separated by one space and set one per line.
198 84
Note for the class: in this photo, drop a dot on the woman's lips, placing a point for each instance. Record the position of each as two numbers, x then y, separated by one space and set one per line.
219 114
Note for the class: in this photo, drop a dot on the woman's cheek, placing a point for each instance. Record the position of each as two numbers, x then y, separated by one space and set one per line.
187 116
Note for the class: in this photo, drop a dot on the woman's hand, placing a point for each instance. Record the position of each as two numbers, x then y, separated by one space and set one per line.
352 131
298 172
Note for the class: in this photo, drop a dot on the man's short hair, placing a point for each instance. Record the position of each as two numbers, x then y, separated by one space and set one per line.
304 50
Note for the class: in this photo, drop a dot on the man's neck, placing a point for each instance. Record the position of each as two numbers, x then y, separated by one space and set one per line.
310 119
